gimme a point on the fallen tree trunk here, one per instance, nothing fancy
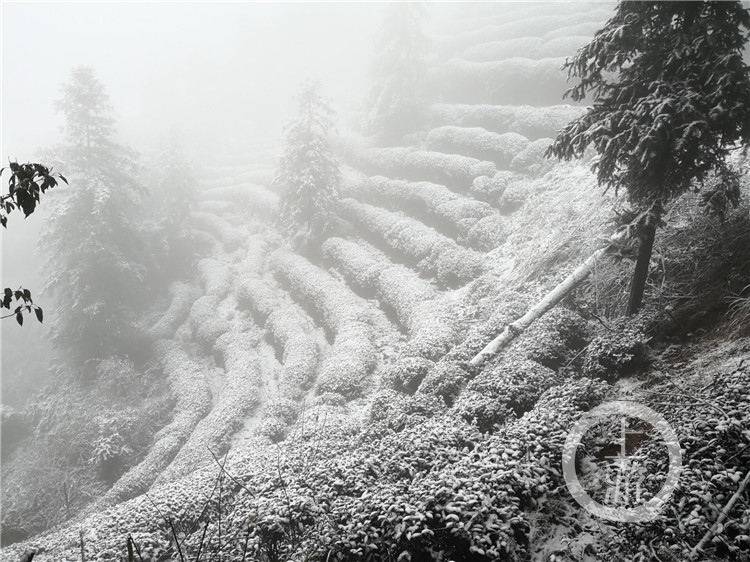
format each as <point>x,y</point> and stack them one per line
<point>551,299</point>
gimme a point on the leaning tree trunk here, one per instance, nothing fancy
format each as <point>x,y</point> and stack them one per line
<point>512,331</point>
<point>640,274</point>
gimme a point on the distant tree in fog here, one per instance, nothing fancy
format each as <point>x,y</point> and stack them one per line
<point>308,173</point>
<point>174,193</point>
<point>97,261</point>
<point>671,98</point>
<point>396,97</point>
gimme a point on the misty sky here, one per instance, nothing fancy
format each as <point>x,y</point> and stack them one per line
<point>217,73</point>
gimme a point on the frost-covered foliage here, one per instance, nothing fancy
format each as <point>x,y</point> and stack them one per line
<point>182,298</point>
<point>503,390</point>
<point>531,122</point>
<point>451,214</point>
<point>215,276</point>
<point>452,170</point>
<point>520,25</point>
<point>207,321</point>
<point>216,207</point>
<point>346,316</point>
<point>396,410</point>
<point>238,395</point>
<point>510,81</point>
<point>220,229</point>
<point>406,374</point>
<point>413,302</point>
<point>308,173</point>
<point>290,331</point>
<point>98,259</point>
<point>492,189</point>
<point>617,353</point>
<point>396,97</point>
<point>531,160</point>
<point>500,148</point>
<point>253,199</point>
<point>189,387</point>
<point>417,244</point>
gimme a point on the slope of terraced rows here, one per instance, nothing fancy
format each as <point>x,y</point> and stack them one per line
<point>266,342</point>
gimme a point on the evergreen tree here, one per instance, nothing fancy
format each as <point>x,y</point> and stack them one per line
<point>671,98</point>
<point>97,259</point>
<point>396,98</point>
<point>308,173</point>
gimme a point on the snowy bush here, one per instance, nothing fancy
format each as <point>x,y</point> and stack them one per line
<point>514,197</point>
<point>508,387</point>
<point>406,374</point>
<point>207,321</point>
<point>219,229</point>
<point>397,410</point>
<point>616,353</point>
<point>452,170</point>
<point>351,358</point>
<point>189,387</point>
<point>446,379</point>
<point>238,395</point>
<point>216,277</point>
<point>512,81</point>
<point>531,122</point>
<point>491,189</point>
<point>478,143</point>
<point>359,266</point>
<point>531,160</point>
<point>349,362</point>
<point>421,245</point>
<point>183,296</point>
<point>216,207</point>
<point>255,294</point>
<point>488,233</point>
<point>300,356</point>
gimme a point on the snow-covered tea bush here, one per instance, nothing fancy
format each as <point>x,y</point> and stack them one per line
<point>478,143</point>
<point>207,321</point>
<point>215,276</point>
<point>219,229</point>
<point>182,298</point>
<point>615,353</point>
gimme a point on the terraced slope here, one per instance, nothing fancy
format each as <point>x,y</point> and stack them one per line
<point>338,385</point>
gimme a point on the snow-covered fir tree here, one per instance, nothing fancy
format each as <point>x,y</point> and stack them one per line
<point>308,173</point>
<point>97,261</point>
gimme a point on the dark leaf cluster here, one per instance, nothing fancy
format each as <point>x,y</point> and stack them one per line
<point>26,184</point>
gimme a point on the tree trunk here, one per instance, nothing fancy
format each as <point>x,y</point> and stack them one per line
<point>640,274</point>
<point>512,331</point>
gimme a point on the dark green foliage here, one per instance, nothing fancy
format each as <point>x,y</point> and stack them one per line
<point>308,174</point>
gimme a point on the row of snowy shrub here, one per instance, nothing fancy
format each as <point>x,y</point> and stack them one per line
<point>188,384</point>
<point>420,246</point>
<point>238,395</point>
<point>531,122</point>
<point>533,25</point>
<point>470,222</point>
<point>290,332</point>
<point>219,228</point>
<point>182,298</point>
<point>351,358</point>
<point>207,321</point>
<point>215,277</point>
<point>413,301</point>
<point>511,81</point>
<point>452,170</point>
<point>477,142</point>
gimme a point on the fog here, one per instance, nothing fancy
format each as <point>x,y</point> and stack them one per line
<point>216,73</point>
